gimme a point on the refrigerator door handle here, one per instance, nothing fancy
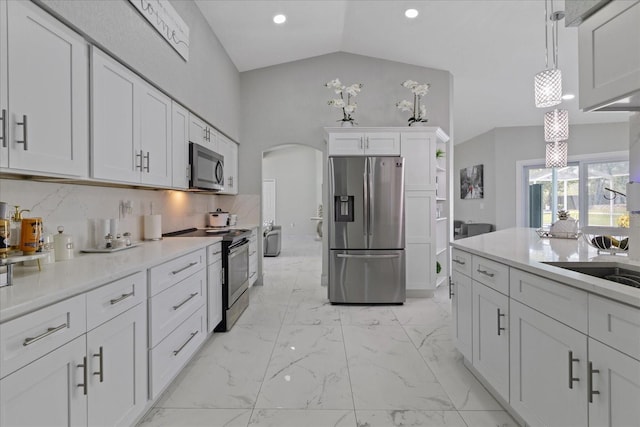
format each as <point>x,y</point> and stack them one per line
<point>370,198</point>
<point>365,201</point>
<point>388,256</point>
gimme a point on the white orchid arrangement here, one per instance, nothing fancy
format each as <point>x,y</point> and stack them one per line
<point>419,111</point>
<point>348,107</point>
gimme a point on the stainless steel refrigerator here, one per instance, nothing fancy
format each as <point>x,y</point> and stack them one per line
<point>366,230</point>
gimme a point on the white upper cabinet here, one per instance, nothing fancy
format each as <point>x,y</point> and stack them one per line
<point>115,121</point>
<point>229,150</point>
<point>419,152</point>
<point>609,57</point>
<point>202,133</point>
<point>131,140</point>
<point>43,71</point>
<point>155,136</point>
<point>344,143</point>
<point>180,146</point>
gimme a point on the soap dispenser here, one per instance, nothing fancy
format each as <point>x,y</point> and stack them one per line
<point>16,226</point>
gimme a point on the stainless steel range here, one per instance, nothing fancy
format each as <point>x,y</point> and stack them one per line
<point>235,265</point>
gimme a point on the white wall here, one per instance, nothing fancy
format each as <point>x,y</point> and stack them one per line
<point>512,144</point>
<point>294,169</point>
<point>287,103</point>
<point>479,151</point>
<point>208,84</point>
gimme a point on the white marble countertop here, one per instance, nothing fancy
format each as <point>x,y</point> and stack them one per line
<point>522,248</point>
<point>33,289</point>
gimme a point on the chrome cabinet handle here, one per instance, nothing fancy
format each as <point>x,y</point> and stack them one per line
<point>367,146</point>
<point>148,158</point>
<point>590,389</point>
<point>485,272</point>
<point>3,117</point>
<point>500,328</point>
<point>139,156</point>
<point>457,261</point>
<point>451,294</point>
<point>120,298</point>
<point>25,139</point>
<point>100,372</point>
<point>52,330</point>
<point>193,334</point>
<point>571,361</point>
<point>184,268</point>
<point>83,365</point>
<point>191,296</point>
<point>253,274</point>
<point>362,142</point>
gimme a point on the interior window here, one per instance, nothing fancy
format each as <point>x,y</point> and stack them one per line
<point>604,207</point>
<point>549,190</point>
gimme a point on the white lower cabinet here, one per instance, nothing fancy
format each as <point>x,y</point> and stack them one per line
<point>214,286</point>
<point>117,369</point>
<point>177,316</point>
<point>64,379</point>
<point>613,387</point>
<point>47,392</point>
<point>461,310</point>
<point>491,336</point>
<point>253,257</point>
<point>548,370</point>
<point>167,358</point>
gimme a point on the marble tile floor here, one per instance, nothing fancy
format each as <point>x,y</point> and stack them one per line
<point>295,360</point>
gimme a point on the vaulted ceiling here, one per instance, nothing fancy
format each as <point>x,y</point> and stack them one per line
<point>493,48</point>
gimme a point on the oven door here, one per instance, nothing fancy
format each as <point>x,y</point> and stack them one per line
<point>237,271</point>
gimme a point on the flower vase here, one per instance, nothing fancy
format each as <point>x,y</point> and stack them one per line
<point>417,124</point>
<point>346,123</point>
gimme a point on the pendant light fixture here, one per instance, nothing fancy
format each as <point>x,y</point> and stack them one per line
<point>556,125</point>
<point>556,154</point>
<point>548,83</point>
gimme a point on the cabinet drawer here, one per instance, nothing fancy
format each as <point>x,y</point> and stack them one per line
<point>168,357</point>
<point>33,335</point>
<point>214,253</point>
<point>171,307</point>
<point>561,302</point>
<point>117,297</point>
<point>461,261</point>
<point>165,275</point>
<point>615,324</point>
<point>491,273</point>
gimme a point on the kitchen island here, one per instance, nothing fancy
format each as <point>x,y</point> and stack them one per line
<point>554,346</point>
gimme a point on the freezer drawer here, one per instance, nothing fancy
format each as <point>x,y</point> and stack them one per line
<point>361,276</point>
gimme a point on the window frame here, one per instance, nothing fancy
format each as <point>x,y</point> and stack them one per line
<point>522,184</point>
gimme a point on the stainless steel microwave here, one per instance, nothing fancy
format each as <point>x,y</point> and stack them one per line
<point>207,168</point>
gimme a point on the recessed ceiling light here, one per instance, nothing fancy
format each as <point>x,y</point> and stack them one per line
<point>568,96</point>
<point>411,13</point>
<point>279,19</point>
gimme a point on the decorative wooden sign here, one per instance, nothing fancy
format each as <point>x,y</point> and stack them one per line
<point>164,18</point>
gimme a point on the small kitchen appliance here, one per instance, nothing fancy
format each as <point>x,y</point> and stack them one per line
<point>207,168</point>
<point>217,218</point>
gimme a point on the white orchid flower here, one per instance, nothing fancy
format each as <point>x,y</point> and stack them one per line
<point>338,89</point>
<point>335,83</point>
<point>338,103</point>
<point>350,108</point>
<point>354,89</point>
<point>409,84</point>
<point>405,105</point>
<point>421,90</point>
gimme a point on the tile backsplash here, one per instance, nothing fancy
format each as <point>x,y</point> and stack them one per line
<point>79,207</point>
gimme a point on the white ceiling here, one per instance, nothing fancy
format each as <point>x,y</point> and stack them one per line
<point>493,48</point>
